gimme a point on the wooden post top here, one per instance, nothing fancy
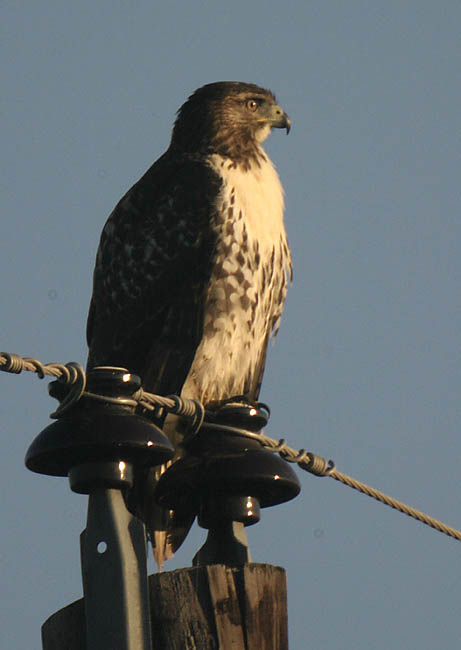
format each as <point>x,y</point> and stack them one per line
<point>208,607</point>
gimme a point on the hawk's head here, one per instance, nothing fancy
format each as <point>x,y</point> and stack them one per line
<point>230,118</point>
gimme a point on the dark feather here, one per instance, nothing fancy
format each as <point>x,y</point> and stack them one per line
<point>154,261</point>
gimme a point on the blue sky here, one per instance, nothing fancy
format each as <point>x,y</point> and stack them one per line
<point>366,367</point>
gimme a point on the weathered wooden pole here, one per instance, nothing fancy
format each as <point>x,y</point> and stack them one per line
<point>207,608</point>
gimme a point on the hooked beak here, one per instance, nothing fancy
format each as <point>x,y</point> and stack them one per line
<point>280,119</point>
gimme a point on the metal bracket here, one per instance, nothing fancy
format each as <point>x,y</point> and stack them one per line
<point>114,570</point>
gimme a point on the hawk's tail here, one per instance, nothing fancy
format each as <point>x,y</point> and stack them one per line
<point>166,529</point>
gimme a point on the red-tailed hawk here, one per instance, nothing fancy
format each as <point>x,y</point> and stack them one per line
<point>193,263</point>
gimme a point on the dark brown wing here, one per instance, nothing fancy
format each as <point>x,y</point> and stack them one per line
<point>152,269</point>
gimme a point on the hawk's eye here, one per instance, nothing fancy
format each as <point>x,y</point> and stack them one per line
<point>252,105</point>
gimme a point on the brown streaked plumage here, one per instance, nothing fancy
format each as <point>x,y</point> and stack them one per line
<point>193,263</point>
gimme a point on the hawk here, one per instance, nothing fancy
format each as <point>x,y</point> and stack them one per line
<point>193,263</point>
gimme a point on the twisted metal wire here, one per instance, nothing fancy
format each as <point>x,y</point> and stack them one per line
<point>74,375</point>
<point>320,467</point>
